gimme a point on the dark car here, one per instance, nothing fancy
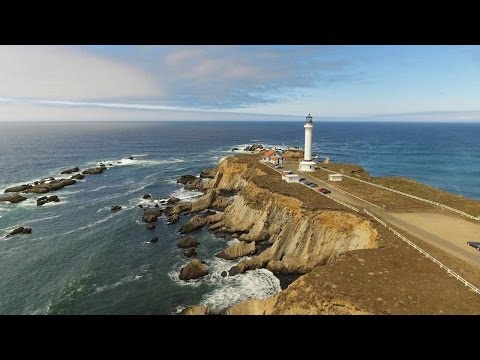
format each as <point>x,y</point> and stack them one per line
<point>313,185</point>
<point>324,191</point>
<point>302,179</point>
<point>475,245</point>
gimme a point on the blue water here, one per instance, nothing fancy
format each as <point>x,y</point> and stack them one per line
<point>83,259</point>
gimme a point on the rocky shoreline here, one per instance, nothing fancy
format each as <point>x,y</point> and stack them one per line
<point>301,236</point>
<point>19,193</point>
<point>273,230</point>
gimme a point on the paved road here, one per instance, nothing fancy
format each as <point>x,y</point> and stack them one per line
<point>425,232</point>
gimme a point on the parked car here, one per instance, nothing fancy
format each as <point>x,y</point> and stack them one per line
<point>287,172</point>
<point>302,179</point>
<point>475,245</point>
<point>313,185</point>
<point>324,191</point>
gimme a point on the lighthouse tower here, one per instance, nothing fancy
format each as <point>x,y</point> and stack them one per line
<point>307,164</point>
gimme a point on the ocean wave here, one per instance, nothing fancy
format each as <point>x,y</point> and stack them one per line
<point>186,195</point>
<point>105,187</point>
<point>139,155</point>
<point>101,221</point>
<point>143,272</point>
<point>45,218</point>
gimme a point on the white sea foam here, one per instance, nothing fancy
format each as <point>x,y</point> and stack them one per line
<point>143,272</point>
<point>187,195</point>
<point>254,284</point>
<point>139,155</point>
<point>45,218</point>
<point>92,223</point>
<point>233,242</point>
<point>105,187</point>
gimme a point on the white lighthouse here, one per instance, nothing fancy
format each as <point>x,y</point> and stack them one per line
<point>307,164</point>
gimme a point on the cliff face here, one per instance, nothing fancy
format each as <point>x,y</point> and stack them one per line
<point>300,239</point>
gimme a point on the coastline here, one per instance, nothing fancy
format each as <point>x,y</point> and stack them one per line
<point>277,208</point>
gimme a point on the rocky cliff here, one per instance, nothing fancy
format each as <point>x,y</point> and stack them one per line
<point>299,238</point>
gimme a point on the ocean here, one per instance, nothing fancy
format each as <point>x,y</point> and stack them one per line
<point>83,259</point>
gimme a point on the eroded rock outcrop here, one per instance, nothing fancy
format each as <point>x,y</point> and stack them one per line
<point>193,270</point>
<point>151,215</point>
<point>70,171</point>
<point>94,170</point>
<point>187,242</point>
<point>301,238</point>
<point>12,198</point>
<point>195,310</point>
<point>18,188</point>
<point>20,230</point>
<point>53,185</point>
<point>193,224</point>
<point>237,250</point>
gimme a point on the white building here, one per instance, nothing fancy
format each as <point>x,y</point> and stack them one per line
<point>291,178</point>
<point>272,156</point>
<point>335,177</point>
<point>307,165</point>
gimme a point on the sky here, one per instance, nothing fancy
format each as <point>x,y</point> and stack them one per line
<point>256,82</point>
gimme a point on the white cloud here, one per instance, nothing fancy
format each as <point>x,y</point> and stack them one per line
<point>73,73</point>
<point>61,111</point>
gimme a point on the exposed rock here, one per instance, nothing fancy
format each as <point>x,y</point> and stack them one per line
<point>147,196</point>
<point>20,230</point>
<point>173,219</point>
<point>12,198</point>
<point>93,171</point>
<point>293,154</point>
<point>43,200</point>
<point>130,158</point>
<point>196,184</point>
<point>154,239</point>
<point>116,208</point>
<point>53,185</point>
<point>185,179</point>
<point>157,206</point>
<point>254,147</point>
<point>140,206</point>
<point>178,209</point>
<point>18,188</point>
<point>207,173</point>
<point>35,183</point>
<point>53,198</point>
<point>187,242</point>
<point>78,177</point>
<point>224,274</point>
<point>190,252</point>
<point>237,250</point>
<point>103,165</point>
<point>193,270</point>
<point>195,223</point>
<point>173,200</point>
<point>150,226</point>
<point>214,218</point>
<point>69,171</point>
<point>151,215</point>
<point>234,270</point>
<point>195,310</point>
<point>205,201</point>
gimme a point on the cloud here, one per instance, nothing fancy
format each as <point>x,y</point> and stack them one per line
<point>222,77</point>
<point>61,111</point>
<point>70,73</point>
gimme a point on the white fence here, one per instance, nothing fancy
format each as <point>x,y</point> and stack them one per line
<point>423,252</point>
<point>476,218</point>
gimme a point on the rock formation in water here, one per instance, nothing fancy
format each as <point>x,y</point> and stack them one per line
<point>12,198</point>
<point>20,230</point>
<point>70,171</point>
<point>193,270</point>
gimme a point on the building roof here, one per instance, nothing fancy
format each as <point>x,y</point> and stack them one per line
<point>268,153</point>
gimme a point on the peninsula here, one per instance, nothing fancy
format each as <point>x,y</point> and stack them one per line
<point>347,261</point>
